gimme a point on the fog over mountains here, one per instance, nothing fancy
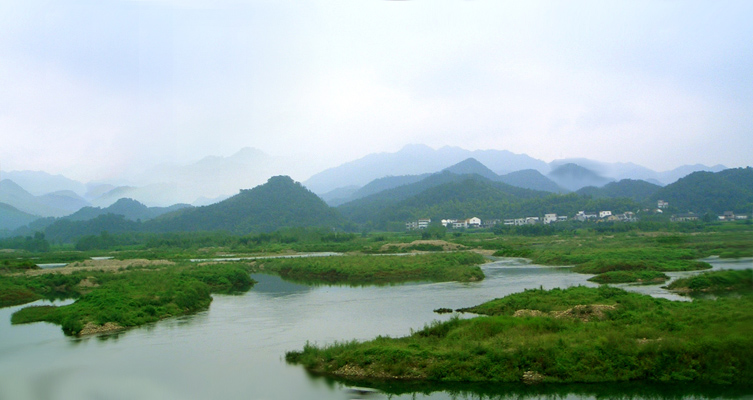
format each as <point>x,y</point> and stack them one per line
<point>211,179</point>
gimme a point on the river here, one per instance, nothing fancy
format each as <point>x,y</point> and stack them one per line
<point>235,350</point>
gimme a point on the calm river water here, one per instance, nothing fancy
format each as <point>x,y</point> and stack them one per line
<point>235,350</point>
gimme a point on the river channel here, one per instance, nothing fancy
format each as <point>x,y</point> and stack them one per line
<point>235,349</point>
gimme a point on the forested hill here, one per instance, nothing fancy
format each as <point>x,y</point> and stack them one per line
<point>12,218</point>
<point>636,190</point>
<point>531,179</point>
<point>701,192</point>
<point>450,196</point>
<point>280,202</point>
<point>369,208</point>
<point>441,195</point>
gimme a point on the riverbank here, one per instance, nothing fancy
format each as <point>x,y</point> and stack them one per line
<point>574,335</point>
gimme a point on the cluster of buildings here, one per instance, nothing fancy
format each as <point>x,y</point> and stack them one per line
<point>476,222</point>
<point>582,216</point>
<point>727,216</point>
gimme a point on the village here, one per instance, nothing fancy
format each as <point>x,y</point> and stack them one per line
<point>582,216</point>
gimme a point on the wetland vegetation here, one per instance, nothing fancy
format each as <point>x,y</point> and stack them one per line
<point>382,269</point>
<point>569,335</point>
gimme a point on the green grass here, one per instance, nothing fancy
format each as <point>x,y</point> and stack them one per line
<point>382,269</point>
<point>595,253</point>
<point>630,277</point>
<point>716,281</point>
<point>131,298</point>
<point>640,339</point>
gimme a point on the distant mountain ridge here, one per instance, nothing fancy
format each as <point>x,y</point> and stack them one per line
<point>415,160</point>
<point>573,177</point>
<point>420,159</point>
<point>12,218</point>
<point>129,208</point>
<point>528,179</point>
<point>55,204</point>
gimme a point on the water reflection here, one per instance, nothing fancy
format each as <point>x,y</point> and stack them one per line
<point>275,286</point>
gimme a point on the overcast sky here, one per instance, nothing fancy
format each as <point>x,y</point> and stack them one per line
<point>94,89</point>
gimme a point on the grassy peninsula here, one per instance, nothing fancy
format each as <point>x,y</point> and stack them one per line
<point>107,301</point>
<point>378,269</point>
<point>574,335</point>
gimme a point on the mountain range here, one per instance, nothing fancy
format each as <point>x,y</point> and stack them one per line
<point>282,202</point>
<point>397,177</point>
<point>419,160</point>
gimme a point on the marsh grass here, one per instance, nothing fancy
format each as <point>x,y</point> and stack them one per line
<point>640,339</point>
<point>716,281</point>
<point>382,269</point>
<point>130,298</point>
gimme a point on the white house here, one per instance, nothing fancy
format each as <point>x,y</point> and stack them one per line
<point>584,215</point>
<point>473,222</point>
<point>549,218</point>
<point>604,214</point>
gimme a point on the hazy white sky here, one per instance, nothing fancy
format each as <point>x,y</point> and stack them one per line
<point>94,89</point>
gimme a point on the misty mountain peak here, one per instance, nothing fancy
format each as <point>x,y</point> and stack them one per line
<point>471,166</point>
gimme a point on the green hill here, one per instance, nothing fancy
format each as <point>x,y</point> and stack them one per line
<point>701,192</point>
<point>636,190</point>
<point>441,195</point>
<point>531,179</point>
<point>12,218</point>
<point>280,202</point>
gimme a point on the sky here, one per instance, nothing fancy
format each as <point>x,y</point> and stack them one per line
<point>100,89</point>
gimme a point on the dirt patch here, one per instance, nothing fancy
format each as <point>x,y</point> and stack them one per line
<point>529,313</point>
<point>446,246</point>
<point>92,329</point>
<point>88,283</point>
<point>531,377</point>
<point>104,265</point>
<point>584,313</point>
<point>645,341</point>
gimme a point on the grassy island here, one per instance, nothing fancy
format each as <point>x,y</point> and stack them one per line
<point>574,335</point>
<point>378,269</point>
<point>645,277</point>
<point>107,301</point>
<point>716,281</point>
